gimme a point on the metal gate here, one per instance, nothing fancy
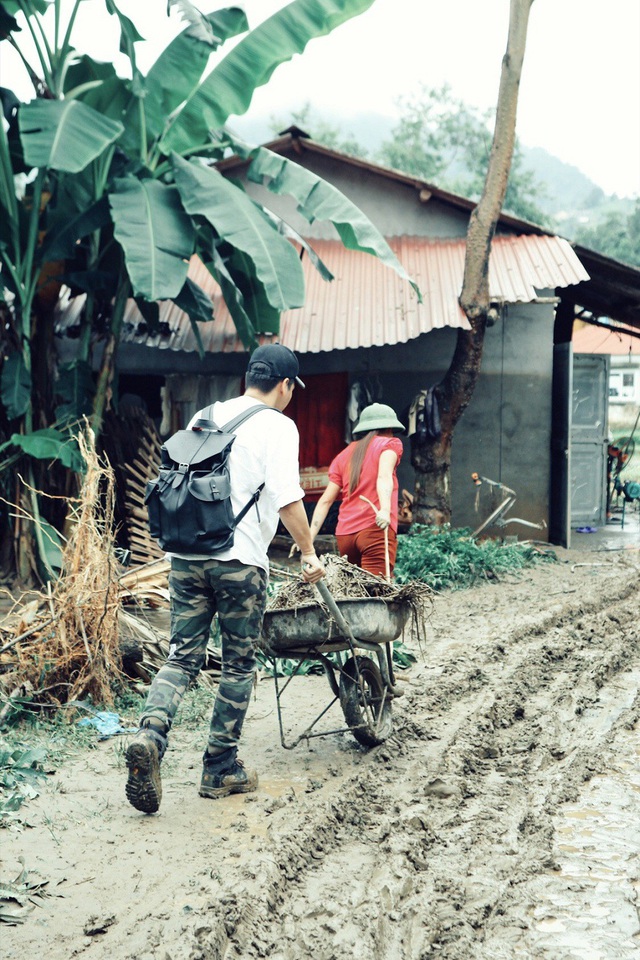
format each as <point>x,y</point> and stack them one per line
<point>589,430</point>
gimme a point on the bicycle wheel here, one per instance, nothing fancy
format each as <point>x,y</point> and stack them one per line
<point>366,708</point>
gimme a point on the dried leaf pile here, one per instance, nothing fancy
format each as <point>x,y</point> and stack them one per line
<point>348,582</point>
<point>70,647</point>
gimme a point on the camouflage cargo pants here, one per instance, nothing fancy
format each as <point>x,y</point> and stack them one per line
<point>199,589</point>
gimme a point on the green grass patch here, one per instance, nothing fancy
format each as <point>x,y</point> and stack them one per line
<point>447,558</point>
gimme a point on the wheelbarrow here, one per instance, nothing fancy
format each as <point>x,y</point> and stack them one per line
<point>364,685</point>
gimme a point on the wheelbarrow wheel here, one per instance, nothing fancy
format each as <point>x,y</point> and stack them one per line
<point>366,708</point>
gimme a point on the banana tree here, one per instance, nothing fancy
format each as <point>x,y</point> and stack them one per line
<point>125,189</point>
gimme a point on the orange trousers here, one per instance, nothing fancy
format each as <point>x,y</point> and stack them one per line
<point>366,549</point>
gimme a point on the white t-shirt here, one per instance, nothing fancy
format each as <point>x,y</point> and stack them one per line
<point>265,451</point>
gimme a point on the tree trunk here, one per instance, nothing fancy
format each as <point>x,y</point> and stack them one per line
<point>432,459</point>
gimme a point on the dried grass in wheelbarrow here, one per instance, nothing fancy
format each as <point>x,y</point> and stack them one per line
<point>349,582</point>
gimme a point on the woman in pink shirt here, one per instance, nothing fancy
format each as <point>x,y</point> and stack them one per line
<point>366,469</point>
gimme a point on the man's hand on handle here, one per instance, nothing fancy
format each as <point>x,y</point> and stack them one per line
<point>312,569</point>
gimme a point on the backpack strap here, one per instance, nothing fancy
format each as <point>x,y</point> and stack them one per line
<point>248,505</point>
<point>231,425</point>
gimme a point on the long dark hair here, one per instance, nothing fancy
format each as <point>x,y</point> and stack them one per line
<point>358,454</point>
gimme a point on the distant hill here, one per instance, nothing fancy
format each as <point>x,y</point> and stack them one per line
<point>568,188</point>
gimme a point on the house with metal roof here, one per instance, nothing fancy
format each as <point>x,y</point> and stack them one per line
<point>365,336</point>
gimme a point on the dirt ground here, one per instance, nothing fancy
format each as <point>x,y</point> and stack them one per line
<point>499,821</point>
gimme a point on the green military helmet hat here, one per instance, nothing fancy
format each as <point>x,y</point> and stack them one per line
<point>377,416</point>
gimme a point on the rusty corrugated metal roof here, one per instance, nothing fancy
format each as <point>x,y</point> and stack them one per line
<point>368,304</point>
<point>597,339</point>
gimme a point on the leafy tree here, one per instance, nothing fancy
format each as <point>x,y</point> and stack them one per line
<point>443,140</point>
<point>616,236</point>
<point>122,189</point>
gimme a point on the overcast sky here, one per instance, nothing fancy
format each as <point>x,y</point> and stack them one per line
<point>580,89</point>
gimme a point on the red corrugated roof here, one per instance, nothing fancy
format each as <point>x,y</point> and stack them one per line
<point>368,304</point>
<point>592,339</point>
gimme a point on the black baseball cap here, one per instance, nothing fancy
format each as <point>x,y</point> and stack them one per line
<point>275,361</point>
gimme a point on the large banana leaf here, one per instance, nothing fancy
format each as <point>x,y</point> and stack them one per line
<point>156,235</point>
<point>150,313</point>
<point>111,98</point>
<point>319,200</point>
<point>85,71</point>
<point>61,240</point>
<point>229,87</point>
<point>52,546</point>
<point>234,216</point>
<point>287,231</point>
<point>264,318</point>
<point>128,32</point>
<point>175,75</point>
<point>232,297</point>
<point>8,24</point>
<point>75,388</point>
<point>15,386</point>
<point>48,444</point>
<point>195,302</point>
<point>197,305</point>
<point>114,98</point>
<point>28,7</point>
<point>64,134</point>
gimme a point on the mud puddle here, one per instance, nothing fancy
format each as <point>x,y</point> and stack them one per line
<point>587,909</point>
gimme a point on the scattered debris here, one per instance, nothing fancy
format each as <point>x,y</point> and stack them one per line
<point>20,896</point>
<point>97,925</point>
<point>106,723</point>
<point>21,770</point>
<point>605,564</point>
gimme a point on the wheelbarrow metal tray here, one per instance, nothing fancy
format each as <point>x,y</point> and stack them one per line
<point>370,618</point>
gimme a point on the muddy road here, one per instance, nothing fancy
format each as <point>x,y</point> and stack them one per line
<point>499,821</point>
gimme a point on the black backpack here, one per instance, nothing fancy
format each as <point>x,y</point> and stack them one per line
<point>189,503</point>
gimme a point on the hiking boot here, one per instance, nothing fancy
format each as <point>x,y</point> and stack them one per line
<point>144,786</point>
<point>217,782</point>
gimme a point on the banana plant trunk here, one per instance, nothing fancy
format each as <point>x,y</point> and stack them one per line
<point>107,370</point>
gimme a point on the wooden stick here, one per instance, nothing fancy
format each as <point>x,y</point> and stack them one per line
<point>387,565</point>
<point>28,633</point>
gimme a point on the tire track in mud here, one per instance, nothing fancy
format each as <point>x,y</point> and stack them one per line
<point>423,852</point>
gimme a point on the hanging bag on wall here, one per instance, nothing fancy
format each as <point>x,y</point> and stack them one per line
<point>424,416</point>
<point>189,502</point>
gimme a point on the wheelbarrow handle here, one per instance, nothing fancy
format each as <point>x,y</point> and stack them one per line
<point>326,595</point>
